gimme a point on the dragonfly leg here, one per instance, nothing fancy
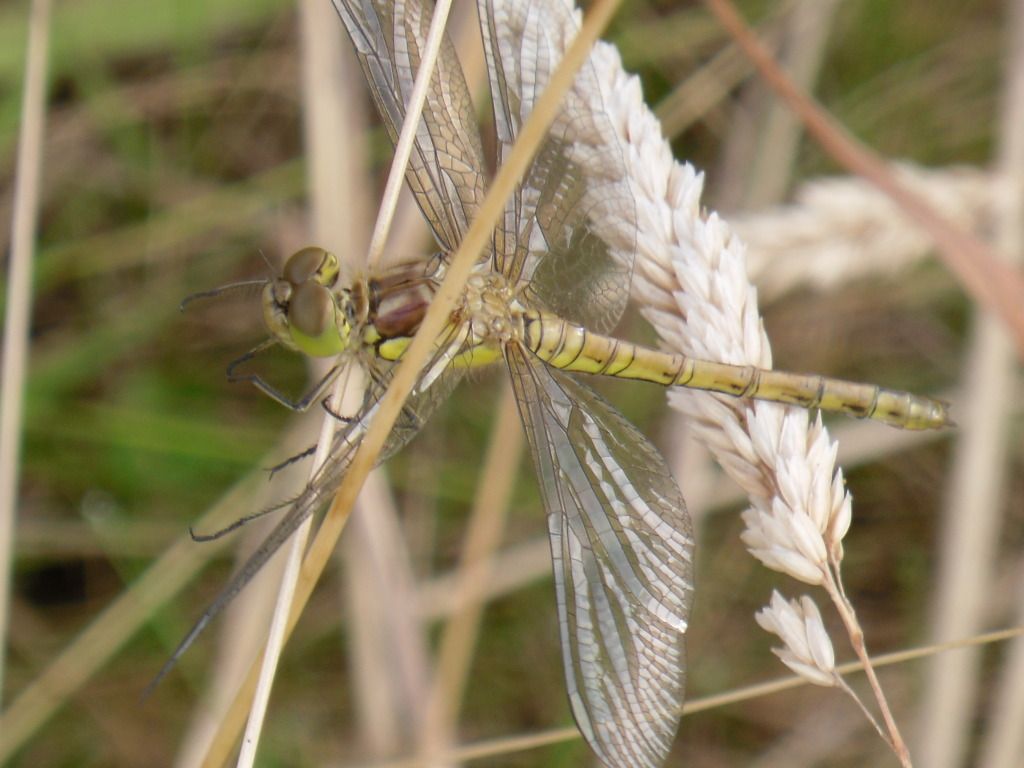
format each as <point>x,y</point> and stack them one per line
<point>291,460</point>
<point>328,405</point>
<point>234,526</point>
<point>302,404</point>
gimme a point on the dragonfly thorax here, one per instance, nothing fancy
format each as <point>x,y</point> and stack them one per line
<point>492,309</point>
<point>302,308</point>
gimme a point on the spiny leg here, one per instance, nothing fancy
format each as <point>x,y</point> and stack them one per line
<point>235,525</point>
<point>328,405</point>
<point>301,405</point>
<point>349,425</point>
<point>273,470</point>
<point>305,454</point>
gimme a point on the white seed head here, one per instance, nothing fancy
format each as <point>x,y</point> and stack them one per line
<point>807,647</point>
<point>691,278</point>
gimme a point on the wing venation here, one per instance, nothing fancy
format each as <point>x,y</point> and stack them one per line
<point>622,550</point>
<point>561,236</point>
<point>446,168</point>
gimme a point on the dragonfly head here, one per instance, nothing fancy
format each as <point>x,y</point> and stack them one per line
<point>301,309</point>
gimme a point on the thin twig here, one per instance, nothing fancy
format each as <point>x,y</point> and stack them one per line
<point>856,634</point>
<point>989,281</point>
<point>507,745</point>
<point>868,714</point>
<point>279,620</point>
<point>19,293</point>
<point>277,632</point>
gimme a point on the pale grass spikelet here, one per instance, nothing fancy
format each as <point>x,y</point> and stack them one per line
<point>785,542</point>
<point>808,648</point>
<point>691,280</point>
<point>839,229</point>
<point>810,514</point>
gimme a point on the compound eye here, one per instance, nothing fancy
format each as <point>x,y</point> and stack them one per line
<point>311,311</point>
<point>312,264</point>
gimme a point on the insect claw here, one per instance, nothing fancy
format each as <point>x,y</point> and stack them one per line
<point>328,406</point>
<point>201,537</point>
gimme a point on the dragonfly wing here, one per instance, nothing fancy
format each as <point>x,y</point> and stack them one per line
<point>445,170</point>
<point>623,556</point>
<point>558,235</point>
<point>297,510</point>
<point>418,408</point>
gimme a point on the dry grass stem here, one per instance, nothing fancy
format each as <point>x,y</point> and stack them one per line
<point>404,145</point>
<point>978,483</point>
<point>763,136</point>
<point>321,37</point>
<point>389,660</point>
<point>483,535</point>
<point>19,296</point>
<point>333,171</point>
<point>984,276</point>
<point>277,633</point>
<point>849,617</point>
<point>433,322</point>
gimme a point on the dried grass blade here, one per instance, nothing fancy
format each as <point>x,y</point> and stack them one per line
<point>19,293</point>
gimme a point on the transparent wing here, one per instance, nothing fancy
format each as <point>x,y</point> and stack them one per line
<point>559,234</point>
<point>417,409</point>
<point>446,167</point>
<point>623,558</point>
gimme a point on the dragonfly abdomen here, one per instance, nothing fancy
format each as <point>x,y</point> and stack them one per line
<point>571,347</point>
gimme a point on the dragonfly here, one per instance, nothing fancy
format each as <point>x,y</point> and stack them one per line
<point>543,300</point>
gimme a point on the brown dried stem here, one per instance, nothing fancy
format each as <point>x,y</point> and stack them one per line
<point>986,278</point>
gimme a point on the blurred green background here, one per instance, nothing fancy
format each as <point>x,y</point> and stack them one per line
<point>174,156</point>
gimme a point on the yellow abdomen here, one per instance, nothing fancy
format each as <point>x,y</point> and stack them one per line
<point>573,348</point>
